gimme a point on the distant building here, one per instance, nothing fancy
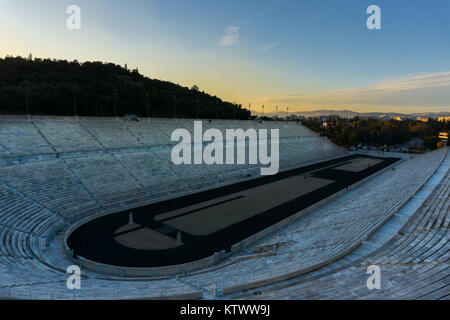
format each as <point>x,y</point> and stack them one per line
<point>443,136</point>
<point>422,119</point>
<point>414,143</point>
<point>130,117</point>
<point>334,117</point>
<point>442,119</point>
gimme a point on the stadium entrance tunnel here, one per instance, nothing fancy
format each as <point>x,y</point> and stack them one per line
<point>197,230</point>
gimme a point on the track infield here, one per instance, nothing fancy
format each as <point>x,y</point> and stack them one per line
<point>196,226</point>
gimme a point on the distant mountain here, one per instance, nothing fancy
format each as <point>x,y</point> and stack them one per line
<point>388,115</point>
<point>432,114</point>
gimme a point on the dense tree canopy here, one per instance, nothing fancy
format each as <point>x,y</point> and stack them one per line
<point>378,132</point>
<point>60,87</point>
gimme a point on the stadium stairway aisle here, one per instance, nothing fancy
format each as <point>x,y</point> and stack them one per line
<point>324,235</point>
<point>414,263</point>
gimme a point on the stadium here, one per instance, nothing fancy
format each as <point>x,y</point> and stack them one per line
<point>104,195</point>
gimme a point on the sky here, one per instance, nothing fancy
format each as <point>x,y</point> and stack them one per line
<point>305,54</point>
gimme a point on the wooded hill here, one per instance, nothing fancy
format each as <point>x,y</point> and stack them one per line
<point>60,87</point>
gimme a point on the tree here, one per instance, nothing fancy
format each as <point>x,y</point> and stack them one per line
<point>51,91</point>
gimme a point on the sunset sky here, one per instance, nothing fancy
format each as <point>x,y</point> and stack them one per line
<point>305,54</point>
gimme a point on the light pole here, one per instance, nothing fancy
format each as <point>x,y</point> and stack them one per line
<point>74,101</point>
<point>217,110</point>
<point>174,106</point>
<point>146,104</point>
<point>198,108</point>
<point>115,103</point>
<point>27,88</point>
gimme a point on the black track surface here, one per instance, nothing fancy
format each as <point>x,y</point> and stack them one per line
<point>95,240</point>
